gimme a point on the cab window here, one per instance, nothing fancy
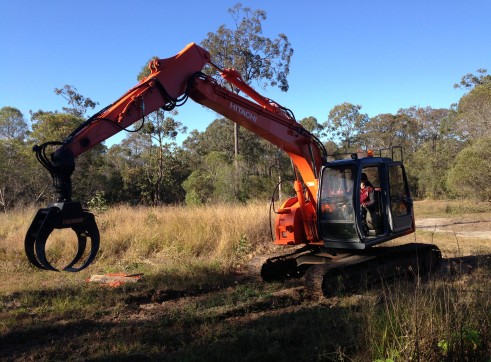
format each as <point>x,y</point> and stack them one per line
<point>398,191</point>
<point>336,204</point>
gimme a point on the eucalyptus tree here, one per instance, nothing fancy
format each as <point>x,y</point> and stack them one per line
<point>256,57</point>
<point>388,130</point>
<point>14,174</point>
<point>345,124</point>
<point>470,80</point>
<point>153,170</point>
<point>474,113</point>
<point>312,125</point>
<point>78,104</point>
<point>12,124</point>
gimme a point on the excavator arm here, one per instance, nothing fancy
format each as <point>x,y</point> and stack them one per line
<point>170,83</point>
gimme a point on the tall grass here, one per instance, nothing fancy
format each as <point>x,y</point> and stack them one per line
<point>445,318</point>
<point>219,233</point>
<point>449,208</point>
<point>151,239</point>
<point>440,320</point>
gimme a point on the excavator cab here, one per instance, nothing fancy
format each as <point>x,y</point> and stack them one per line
<point>344,223</point>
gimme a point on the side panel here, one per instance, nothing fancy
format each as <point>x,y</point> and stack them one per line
<point>288,225</point>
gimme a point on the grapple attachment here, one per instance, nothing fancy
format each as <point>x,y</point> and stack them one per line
<point>61,215</point>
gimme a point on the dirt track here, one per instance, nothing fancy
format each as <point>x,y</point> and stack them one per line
<point>460,227</point>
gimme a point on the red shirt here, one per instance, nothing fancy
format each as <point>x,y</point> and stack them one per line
<point>367,196</point>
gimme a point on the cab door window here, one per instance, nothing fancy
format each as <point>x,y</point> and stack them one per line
<point>337,213</point>
<point>400,201</point>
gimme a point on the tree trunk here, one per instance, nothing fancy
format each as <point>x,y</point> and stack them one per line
<point>236,159</point>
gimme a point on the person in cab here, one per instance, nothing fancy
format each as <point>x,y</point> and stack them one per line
<point>367,199</point>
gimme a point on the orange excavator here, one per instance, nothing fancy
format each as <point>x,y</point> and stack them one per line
<point>335,237</point>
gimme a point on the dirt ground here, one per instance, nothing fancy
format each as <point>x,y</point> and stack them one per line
<point>458,226</point>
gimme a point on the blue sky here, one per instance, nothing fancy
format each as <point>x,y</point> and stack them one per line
<point>382,55</point>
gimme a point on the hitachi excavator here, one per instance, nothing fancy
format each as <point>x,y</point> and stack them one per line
<point>332,237</point>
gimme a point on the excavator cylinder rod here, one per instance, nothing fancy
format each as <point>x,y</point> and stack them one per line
<point>62,215</point>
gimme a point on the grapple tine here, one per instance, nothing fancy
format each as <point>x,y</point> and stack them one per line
<point>82,244</point>
<point>89,230</point>
<point>33,234</point>
<point>40,243</point>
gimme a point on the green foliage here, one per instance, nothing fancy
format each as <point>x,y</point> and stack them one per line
<point>12,124</point>
<point>474,113</point>
<point>77,102</point>
<point>52,126</point>
<point>469,176</point>
<point>465,343</point>
<point>471,80</point>
<point>387,130</point>
<point>98,203</point>
<point>199,188</point>
<point>212,182</point>
<point>345,124</point>
<point>18,179</point>
<point>251,175</point>
<point>149,167</point>
<point>147,173</point>
<point>193,198</point>
<point>311,125</point>
<point>429,165</point>
<point>254,56</point>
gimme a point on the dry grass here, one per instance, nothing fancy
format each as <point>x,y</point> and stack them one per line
<point>447,208</point>
<point>181,240</point>
<point>222,234</point>
<point>190,305</point>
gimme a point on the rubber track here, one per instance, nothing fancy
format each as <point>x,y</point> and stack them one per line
<point>359,271</point>
<point>283,266</point>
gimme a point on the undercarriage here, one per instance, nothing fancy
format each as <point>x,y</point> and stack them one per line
<point>327,272</point>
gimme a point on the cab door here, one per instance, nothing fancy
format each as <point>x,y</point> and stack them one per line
<point>401,213</point>
<point>337,221</point>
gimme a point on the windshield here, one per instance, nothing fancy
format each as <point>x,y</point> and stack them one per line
<point>336,204</point>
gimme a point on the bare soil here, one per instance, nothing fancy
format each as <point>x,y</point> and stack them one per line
<point>471,227</point>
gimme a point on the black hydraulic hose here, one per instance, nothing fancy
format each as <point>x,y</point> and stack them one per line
<point>168,106</point>
<point>96,116</point>
<point>43,158</point>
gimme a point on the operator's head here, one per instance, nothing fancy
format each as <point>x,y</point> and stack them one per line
<point>364,179</point>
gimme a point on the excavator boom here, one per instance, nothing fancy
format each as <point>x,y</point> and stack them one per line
<point>170,82</point>
<point>165,87</point>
